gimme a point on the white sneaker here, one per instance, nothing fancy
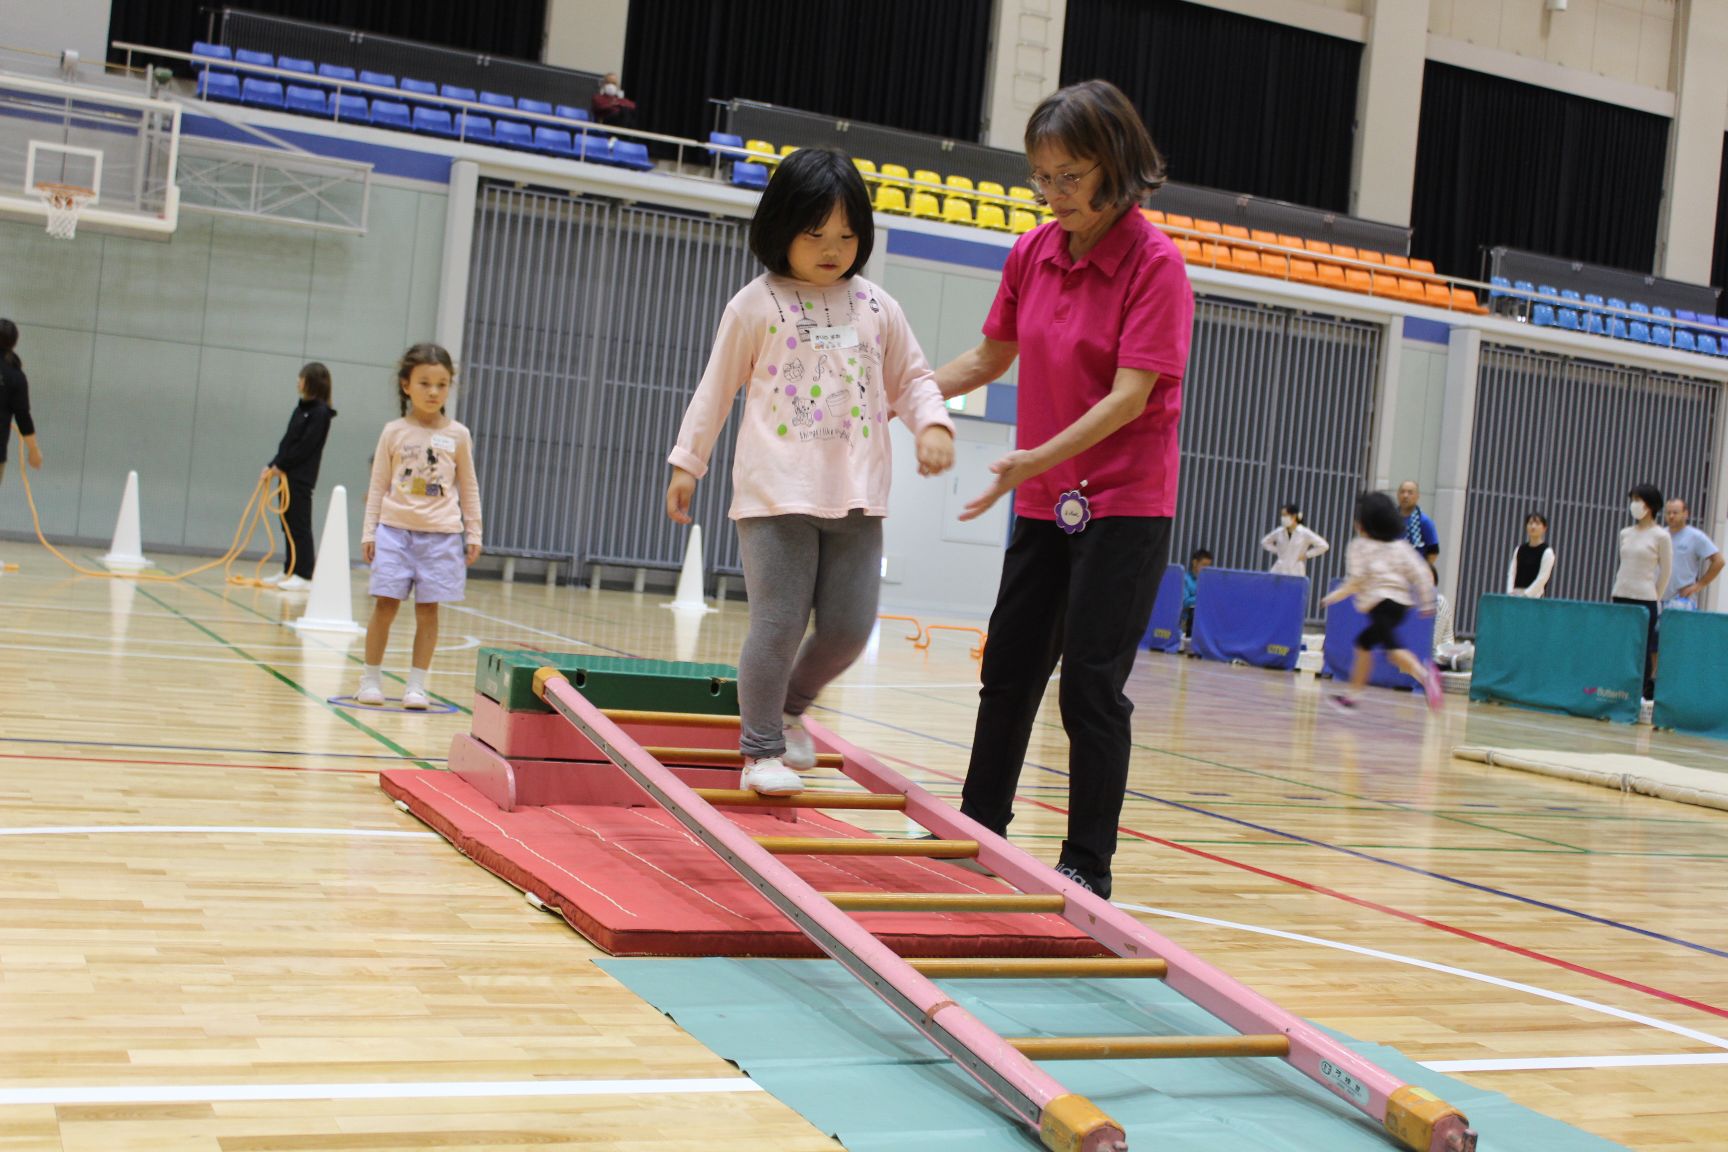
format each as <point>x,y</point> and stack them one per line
<point>370,694</point>
<point>770,777</point>
<point>800,748</point>
<point>414,700</point>
<point>278,578</point>
<point>293,584</point>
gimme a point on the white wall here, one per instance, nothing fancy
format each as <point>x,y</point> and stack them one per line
<point>55,25</point>
<point>1025,65</point>
<point>1626,40</point>
<point>587,35</point>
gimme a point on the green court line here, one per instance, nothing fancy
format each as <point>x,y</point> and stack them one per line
<point>1456,848</point>
<point>348,656</point>
<point>292,683</point>
<point>1309,785</point>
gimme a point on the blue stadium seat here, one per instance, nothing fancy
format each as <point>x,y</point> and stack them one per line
<point>1521,304</point>
<point>748,175</point>
<point>351,109</point>
<point>456,92</point>
<point>1547,290</point>
<point>1569,319</point>
<point>307,101</point>
<point>418,87</point>
<point>1542,315</point>
<point>336,73</point>
<point>214,85</point>
<point>1640,307</point>
<point>1616,302</point>
<point>434,122</point>
<point>378,79</point>
<point>1662,335</point>
<point>1593,324</point>
<point>246,56</point>
<point>533,107</point>
<point>1638,330</point>
<point>260,93</point>
<point>1617,328</point>
<point>295,64</point>
<point>1685,317</point>
<point>571,112</point>
<point>513,134</point>
<point>553,141</point>
<point>629,154</point>
<point>1524,286</point>
<point>1592,300</point>
<point>497,100</point>
<point>212,52</point>
<point>1707,344</point>
<point>1661,313</point>
<point>1497,283</point>
<point>476,129</point>
<point>594,148</point>
<point>1684,340</point>
<point>1571,296</point>
<point>391,114</point>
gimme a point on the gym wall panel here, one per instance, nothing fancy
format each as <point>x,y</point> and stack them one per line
<point>236,389</point>
<point>363,303</point>
<point>421,265</point>
<point>58,363</point>
<point>60,287</point>
<point>142,395</point>
<point>259,289</point>
<point>152,289</point>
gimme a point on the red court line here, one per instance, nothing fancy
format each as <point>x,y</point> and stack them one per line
<point>1465,933</point>
<point>189,764</point>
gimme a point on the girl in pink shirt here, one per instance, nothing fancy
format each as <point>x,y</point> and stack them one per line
<point>825,358</point>
<point>422,526</point>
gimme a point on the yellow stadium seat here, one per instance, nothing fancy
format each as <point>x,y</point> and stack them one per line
<point>891,200</point>
<point>1019,193</point>
<point>925,204</point>
<point>925,176</point>
<point>867,167</point>
<point>992,216</point>
<point>956,210</point>
<point>895,174</point>
<point>1022,221</point>
<point>959,183</point>
<point>761,148</point>
<point>990,188</point>
<point>788,149</point>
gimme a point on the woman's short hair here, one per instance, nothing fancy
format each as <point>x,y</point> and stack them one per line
<point>802,192</point>
<point>1093,120</point>
<point>1650,495</point>
<point>1377,513</point>
<point>1539,518</point>
<point>1290,509</point>
<point>317,378</point>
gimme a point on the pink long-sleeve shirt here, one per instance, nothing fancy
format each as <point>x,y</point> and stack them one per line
<point>825,369</point>
<point>423,481</point>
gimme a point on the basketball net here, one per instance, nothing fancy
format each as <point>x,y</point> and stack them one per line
<point>63,202</point>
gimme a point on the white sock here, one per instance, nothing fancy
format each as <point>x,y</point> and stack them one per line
<point>416,680</point>
<point>372,675</point>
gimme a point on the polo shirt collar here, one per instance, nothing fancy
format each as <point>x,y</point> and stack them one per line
<point>1109,252</point>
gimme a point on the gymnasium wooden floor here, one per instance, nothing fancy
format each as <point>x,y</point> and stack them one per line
<point>203,892</point>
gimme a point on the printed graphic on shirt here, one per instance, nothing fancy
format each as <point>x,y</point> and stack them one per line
<point>428,470</point>
<point>828,387</point>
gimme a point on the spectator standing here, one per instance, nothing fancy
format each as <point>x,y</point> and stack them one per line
<point>1646,566</point>
<point>1532,562</point>
<point>1697,560</point>
<point>1418,525</point>
<point>1293,543</point>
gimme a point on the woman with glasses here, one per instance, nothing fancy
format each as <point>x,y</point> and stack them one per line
<point>1096,305</point>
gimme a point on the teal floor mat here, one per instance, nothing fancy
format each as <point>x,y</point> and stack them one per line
<point>815,1038</point>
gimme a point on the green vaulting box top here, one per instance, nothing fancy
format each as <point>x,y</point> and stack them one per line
<point>507,676</point>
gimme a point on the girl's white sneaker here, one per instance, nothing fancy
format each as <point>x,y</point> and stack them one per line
<point>771,777</point>
<point>800,748</point>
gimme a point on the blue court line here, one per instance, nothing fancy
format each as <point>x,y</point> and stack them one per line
<point>1299,839</point>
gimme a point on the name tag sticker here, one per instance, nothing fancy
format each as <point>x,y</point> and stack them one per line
<point>834,339</point>
<point>447,443</point>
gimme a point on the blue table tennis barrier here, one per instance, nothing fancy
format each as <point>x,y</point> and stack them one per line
<point>1251,617</point>
<point>1415,634</point>
<point>1164,632</point>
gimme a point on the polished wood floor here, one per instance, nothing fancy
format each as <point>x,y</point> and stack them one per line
<point>203,891</point>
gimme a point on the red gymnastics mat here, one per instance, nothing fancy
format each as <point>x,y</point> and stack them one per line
<point>635,883</point>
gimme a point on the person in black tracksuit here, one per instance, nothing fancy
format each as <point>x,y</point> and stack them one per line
<point>15,399</point>
<point>297,459</point>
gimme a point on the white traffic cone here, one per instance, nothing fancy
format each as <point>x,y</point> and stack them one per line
<point>330,605</point>
<point>126,553</point>
<point>689,595</point>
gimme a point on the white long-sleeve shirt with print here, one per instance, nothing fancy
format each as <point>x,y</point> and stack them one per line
<point>1294,549</point>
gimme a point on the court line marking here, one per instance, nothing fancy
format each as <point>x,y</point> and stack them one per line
<point>120,744</point>
<point>479,615</point>
<point>214,830</point>
<point>43,756</point>
<point>465,1089</point>
<point>1556,1063</point>
<point>467,641</point>
<point>1445,969</point>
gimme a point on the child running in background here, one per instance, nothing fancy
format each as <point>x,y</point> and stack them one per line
<point>1386,576</point>
<point>422,518</point>
<point>296,461</point>
<point>826,358</point>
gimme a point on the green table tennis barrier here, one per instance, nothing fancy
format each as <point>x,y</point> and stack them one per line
<point>1692,676</point>
<point>1575,656</point>
<point>507,676</point>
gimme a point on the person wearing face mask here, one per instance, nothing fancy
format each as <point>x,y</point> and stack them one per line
<point>1532,562</point>
<point>1293,543</point>
<point>1646,562</point>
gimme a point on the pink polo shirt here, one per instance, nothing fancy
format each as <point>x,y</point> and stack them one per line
<point>1125,304</point>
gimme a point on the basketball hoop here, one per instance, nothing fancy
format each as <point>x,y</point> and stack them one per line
<point>63,202</point>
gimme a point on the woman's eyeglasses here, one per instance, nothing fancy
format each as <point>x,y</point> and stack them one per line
<point>1065,184</point>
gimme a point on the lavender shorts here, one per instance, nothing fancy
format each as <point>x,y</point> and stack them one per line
<point>433,564</point>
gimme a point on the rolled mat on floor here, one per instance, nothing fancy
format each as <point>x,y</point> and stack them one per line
<point>1641,774</point>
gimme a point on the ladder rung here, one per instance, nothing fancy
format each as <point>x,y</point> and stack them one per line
<point>730,757</point>
<point>868,801</point>
<point>669,719</point>
<point>835,846</point>
<point>1032,967</point>
<point>1148,1047</point>
<point>947,901</point>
